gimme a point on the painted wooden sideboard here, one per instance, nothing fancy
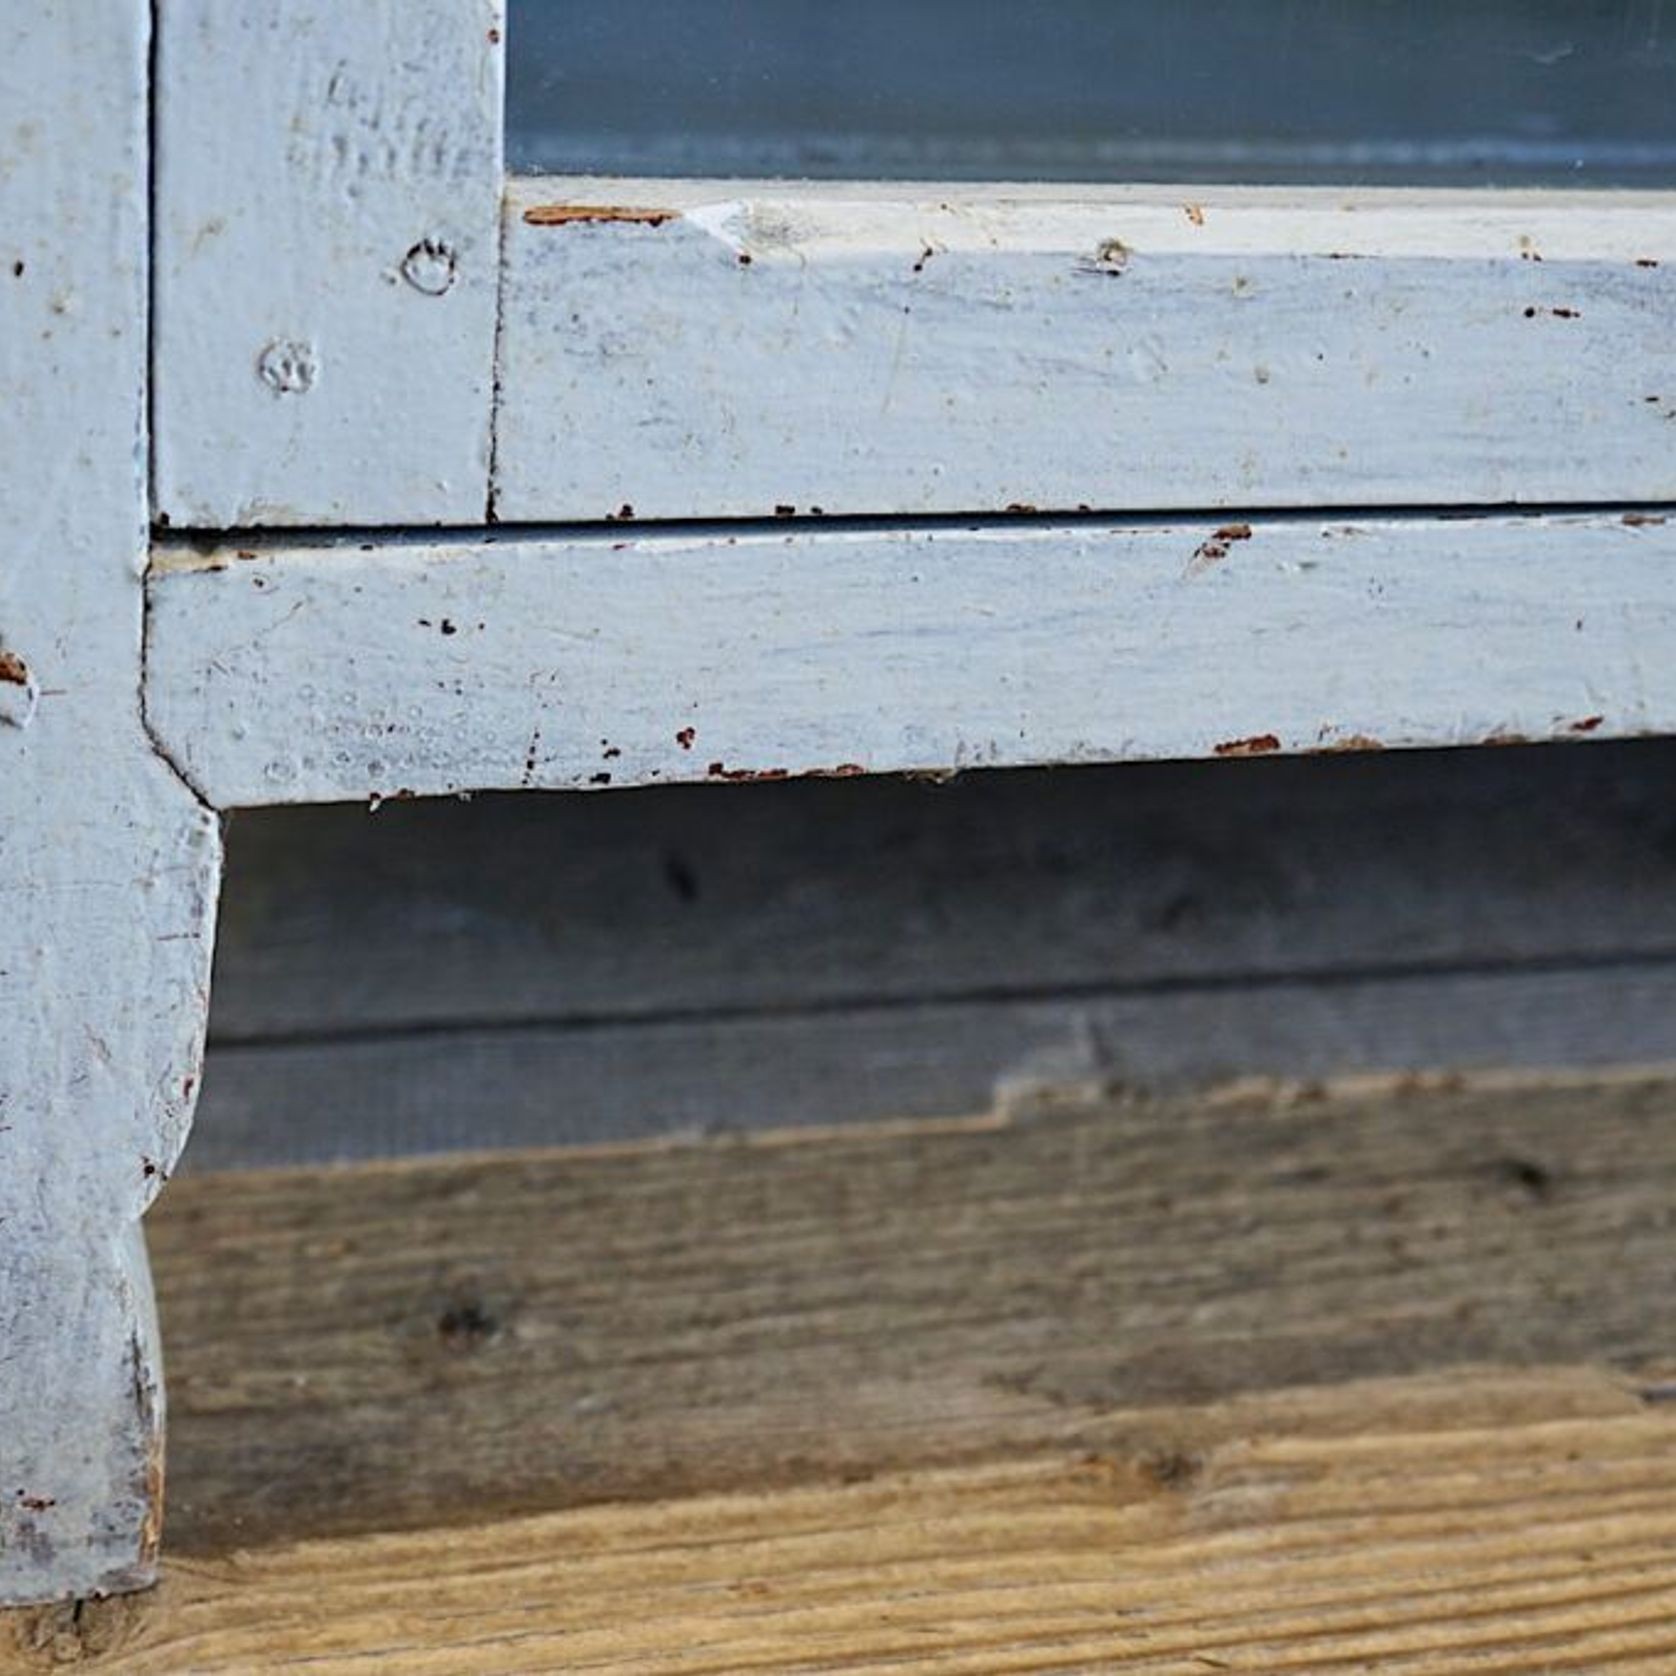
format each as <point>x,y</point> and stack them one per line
<point>339,466</point>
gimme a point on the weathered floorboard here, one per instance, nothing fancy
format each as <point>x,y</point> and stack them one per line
<point>1426,1527</point>
<point>1370,1379</point>
<point>410,1344</point>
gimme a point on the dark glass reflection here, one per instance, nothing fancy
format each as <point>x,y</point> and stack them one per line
<point>1508,92</point>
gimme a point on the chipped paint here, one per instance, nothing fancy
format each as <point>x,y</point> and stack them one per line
<point>1258,745</point>
<point>571,215</point>
<point>720,771</point>
<point>1216,548</point>
<point>1347,742</point>
<point>19,694</point>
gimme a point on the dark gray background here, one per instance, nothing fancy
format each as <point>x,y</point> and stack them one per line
<point>1469,91</point>
<point>525,970</point>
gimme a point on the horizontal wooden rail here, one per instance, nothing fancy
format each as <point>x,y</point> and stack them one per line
<point>314,670</point>
<point>696,349</point>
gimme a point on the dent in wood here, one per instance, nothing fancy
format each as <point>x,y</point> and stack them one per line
<point>328,192</point>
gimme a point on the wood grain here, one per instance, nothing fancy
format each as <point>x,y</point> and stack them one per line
<point>1279,1382</point>
<point>1517,1526</point>
<point>405,1345</point>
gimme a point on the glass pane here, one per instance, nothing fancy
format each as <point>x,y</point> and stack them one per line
<point>1435,92</point>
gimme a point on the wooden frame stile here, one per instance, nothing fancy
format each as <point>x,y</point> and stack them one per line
<point>108,861</point>
<point>1026,476</point>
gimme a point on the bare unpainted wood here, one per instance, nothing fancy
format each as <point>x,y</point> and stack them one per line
<point>327,252</point>
<point>108,864</point>
<point>382,1094</point>
<point>309,672</point>
<point>411,1345</point>
<point>1516,1526</point>
<point>1172,1388</point>
<point>676,349</point>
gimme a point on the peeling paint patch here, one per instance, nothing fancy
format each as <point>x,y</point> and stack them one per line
<point>1585,724</point>
<point>1642,520</point>
<point>1258,745</point>
<point>720,771</point>
<point>567,215</point>
<point>18,692</point>
<point>1351,742</point>
<point>1217,547</point>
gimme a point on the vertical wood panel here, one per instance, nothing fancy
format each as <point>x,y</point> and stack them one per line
<point>328,178</point>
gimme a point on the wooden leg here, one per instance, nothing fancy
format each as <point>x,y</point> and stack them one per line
<point>109,862</point>
<point>104,990</point>
<point>104,957</point>
<point>81,1460</point>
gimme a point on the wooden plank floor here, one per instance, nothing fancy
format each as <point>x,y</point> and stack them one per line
<point>1376,1379</point>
